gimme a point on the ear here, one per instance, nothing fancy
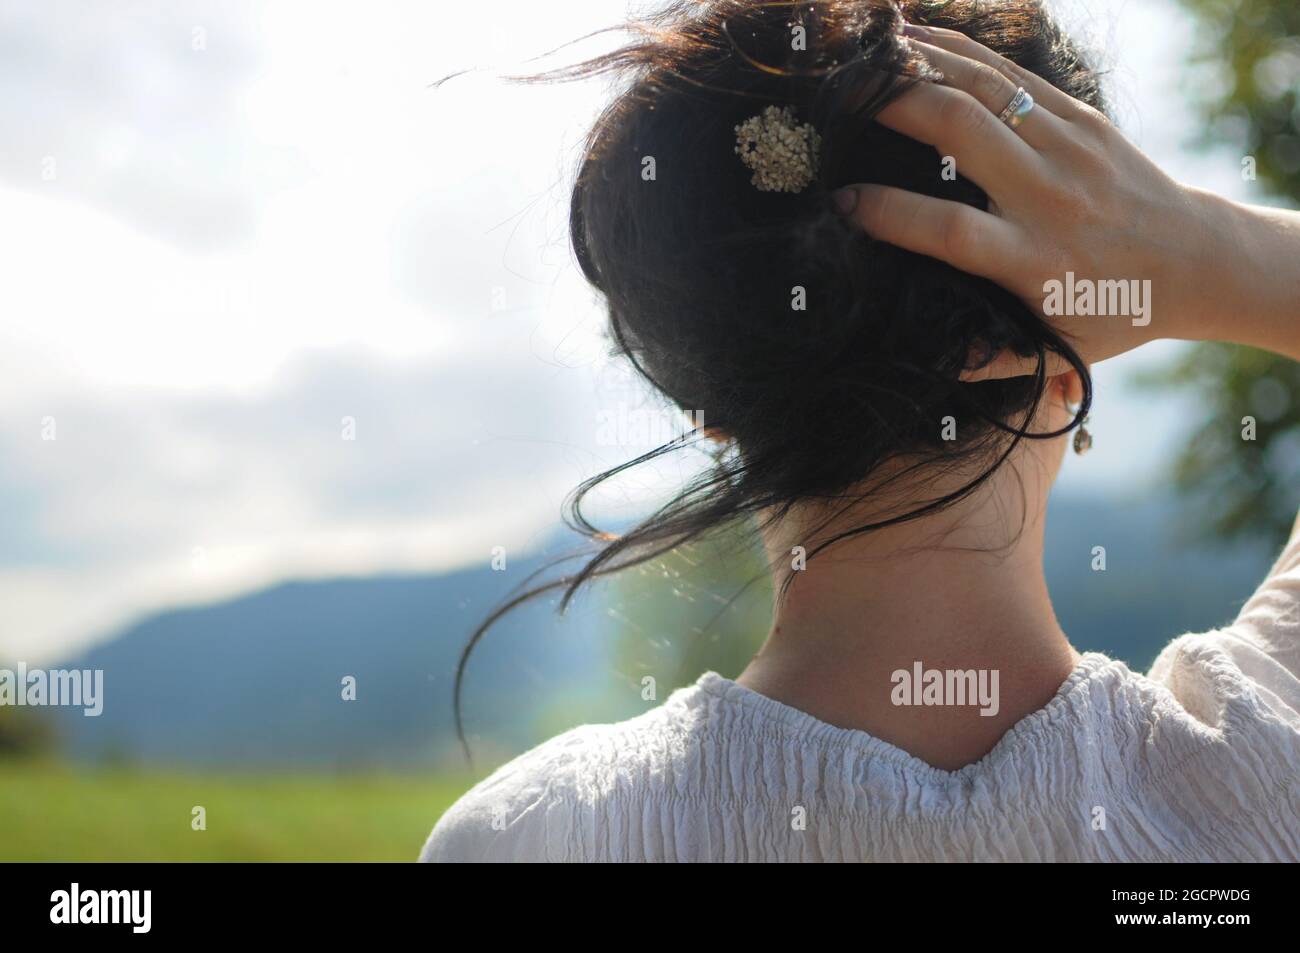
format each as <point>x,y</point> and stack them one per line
<point>1069,386</point>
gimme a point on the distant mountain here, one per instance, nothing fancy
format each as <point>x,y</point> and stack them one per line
<point>257,680</point>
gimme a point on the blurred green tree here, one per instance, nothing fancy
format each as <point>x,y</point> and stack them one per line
<point>703,607</point>
<point>1246,74</point>
<point>25,733</point>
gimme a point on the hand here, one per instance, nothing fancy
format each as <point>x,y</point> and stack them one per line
<point>1071,202</point>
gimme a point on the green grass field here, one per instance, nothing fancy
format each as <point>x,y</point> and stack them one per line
<point>56,812</point>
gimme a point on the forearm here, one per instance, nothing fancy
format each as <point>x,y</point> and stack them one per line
<point>1252,277</point>
<point>1262,252</point>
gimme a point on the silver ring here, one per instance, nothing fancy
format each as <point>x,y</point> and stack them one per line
<point>1021,105</point>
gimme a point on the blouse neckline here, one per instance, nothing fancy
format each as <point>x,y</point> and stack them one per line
<point>1031,731</point>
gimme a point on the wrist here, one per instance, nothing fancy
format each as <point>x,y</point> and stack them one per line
<point>1250,282</point>
<point>1215,275</point>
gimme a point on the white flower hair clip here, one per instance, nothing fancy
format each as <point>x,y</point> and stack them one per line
<point>782,153</point>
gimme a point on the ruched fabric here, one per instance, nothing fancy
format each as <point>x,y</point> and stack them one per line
<point>1197,761</point>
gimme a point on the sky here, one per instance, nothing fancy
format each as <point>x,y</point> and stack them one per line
<point>278,305</point>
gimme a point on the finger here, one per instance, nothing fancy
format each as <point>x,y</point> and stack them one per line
<point>1010,364</point>
<point>1045,94</point>
<point>958,125</point>
<point>994,90</point>
<point>963,236</point>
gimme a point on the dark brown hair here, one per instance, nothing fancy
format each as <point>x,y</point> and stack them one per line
<point>697,267</point>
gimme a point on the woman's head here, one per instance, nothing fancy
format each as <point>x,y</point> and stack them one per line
<point>829,361</point>
<point>823,355</point>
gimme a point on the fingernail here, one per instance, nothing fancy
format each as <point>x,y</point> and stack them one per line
<point>846,200</point>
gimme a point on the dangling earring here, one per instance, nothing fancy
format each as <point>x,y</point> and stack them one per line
<point>1082,438</point>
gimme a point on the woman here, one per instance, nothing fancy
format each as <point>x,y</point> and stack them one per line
<point>877,245</point>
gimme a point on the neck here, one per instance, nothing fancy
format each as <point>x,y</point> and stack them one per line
<point>945,592</point>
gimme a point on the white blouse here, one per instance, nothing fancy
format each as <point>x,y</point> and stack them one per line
<point>1197,761</point>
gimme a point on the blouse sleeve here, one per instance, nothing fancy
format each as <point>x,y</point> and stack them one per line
<point>1270,619</point>
<point>528,810</point>
<point>1246,675</point>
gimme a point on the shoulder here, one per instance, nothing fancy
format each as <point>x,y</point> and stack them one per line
<point>551,803</point>
<point>1246,674</point>
<point>525,810</point>
<point>1242,703</point>
<point>1227,681</point>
